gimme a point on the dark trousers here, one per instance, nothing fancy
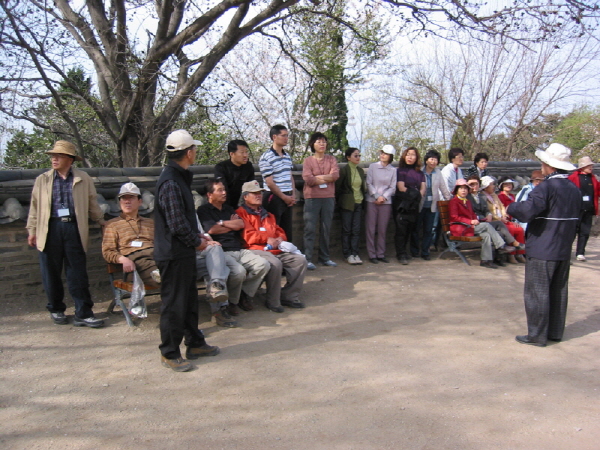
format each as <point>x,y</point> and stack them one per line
<point>546,297</point>
<point>584,226</point>
<point>318,211</point>
<point>351,221</point>
<point>281,211</point>
<point>426,223</point>
<point>63,247</point>
<point>179,308</point>
<point>405,231</point>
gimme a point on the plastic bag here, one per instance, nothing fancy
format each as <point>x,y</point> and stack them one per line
<point>137,304</point>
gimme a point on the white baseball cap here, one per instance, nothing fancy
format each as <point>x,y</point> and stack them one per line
<point>389,149</point>
<point>129,189</point>
<point>180,140</point>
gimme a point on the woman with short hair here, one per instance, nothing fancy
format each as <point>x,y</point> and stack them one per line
<point>351,189</point>
<point>479,167</point>
<point>381,185</point>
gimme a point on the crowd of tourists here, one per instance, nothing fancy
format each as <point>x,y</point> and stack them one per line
<point>242,235</point>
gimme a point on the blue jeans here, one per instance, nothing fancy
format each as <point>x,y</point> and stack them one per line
<point>351,230</point>
<point>317,210</point>
<point>63,247</point>
<point>427,222</point>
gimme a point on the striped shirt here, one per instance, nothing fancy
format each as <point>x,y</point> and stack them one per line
<point>279,167</point>
<point>119,234</point>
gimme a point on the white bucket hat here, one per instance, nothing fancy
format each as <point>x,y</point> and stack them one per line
<point>557,156</point>
<point>515,183</point>
<point>486,181</point>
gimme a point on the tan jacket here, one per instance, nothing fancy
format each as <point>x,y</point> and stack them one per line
<point>84,200</point>
<point>496,208</point>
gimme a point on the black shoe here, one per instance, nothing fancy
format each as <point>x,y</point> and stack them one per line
<point>403,261</point>
<point>223,319</point>
<point>488,264</point>
<point>384,260</point>
<point>527,340</point>
<point>59,318</point>
<point>205,350</point>
<point>426,257</point>
<point>374,260</point>
<point>233,309</point>
<point>245,302</point>
<point>499,262</point>
<point>91,322</point>
<point>277,309</point>
<point>297,304</point>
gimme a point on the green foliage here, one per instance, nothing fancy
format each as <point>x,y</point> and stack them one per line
<point>28,150</point>
<point>576,129</point>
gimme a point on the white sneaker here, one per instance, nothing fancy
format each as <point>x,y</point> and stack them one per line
<point>581,258</point>
<point>357,260</point>
<point>351,260</point>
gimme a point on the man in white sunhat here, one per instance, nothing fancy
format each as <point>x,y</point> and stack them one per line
<point>176,240</point>
<point>62,202</point>
<point>589,186</point>
<point>551,211</point>
<point>263,236</point>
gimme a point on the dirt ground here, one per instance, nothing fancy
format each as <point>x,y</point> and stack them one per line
<point>384,357</point>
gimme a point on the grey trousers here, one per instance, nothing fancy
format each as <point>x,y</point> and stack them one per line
<point>317,211</point>
<point>294,267</point>
<point>546,298</point>
<point>489,237</point>
<point>376,222</point>
<point>211,265</point>
<point>247,271</point>
<point>499,226</point>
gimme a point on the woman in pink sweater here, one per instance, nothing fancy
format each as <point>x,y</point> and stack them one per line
<point>319,173</point>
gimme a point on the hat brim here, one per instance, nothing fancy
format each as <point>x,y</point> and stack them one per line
<point>54,152</point>
<point>557,164</point>
<point>515,183</point>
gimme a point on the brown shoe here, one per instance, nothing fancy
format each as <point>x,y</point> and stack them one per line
<point>521,259</point>
<point>178,365</point>
<point>233,309</point>
<point>245,303</point>
<point>205,350</point>
<point>512,260</point>
<point>223,318</point>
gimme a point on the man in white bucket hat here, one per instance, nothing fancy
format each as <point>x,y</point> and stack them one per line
<point>552,211</point>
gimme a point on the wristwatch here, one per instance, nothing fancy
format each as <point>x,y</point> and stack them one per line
<point>220,222</point>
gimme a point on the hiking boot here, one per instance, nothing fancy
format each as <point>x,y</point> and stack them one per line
<point>155,274</point>
<point>277,309</point>
<point>178,364</point>
<point>91,322</point>
<point>245,302</point>
<point>223,318</point>
<point>59,318</point>
<point>216,292</point>
<point>204,350</point>
<point>233,309</point>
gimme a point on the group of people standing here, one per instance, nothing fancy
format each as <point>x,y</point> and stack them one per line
<point>244,232</point>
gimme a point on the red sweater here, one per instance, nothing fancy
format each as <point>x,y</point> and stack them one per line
<point>574,177</point>
<point>461,212</point>
<point>253,235</point>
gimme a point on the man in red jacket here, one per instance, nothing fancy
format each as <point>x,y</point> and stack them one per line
<point>263,236</point>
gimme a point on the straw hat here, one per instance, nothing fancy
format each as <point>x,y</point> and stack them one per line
<point>557,156</point>
<point>65,148</point>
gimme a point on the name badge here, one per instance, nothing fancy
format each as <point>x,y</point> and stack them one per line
<point>63,212</point>
<point>136,243</point>
<point>323,186</point>
<point>586,198</point>
<point>430,198</point>
<point>262,229</point>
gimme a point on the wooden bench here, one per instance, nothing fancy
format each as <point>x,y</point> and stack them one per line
<point>454,243</point>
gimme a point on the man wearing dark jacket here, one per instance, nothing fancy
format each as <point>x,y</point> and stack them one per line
<point>551,210</point>
<point>176,239</point>
<point>235,171</point>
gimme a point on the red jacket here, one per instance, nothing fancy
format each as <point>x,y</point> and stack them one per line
<point>252,235</point>
<point>461,212</point>
<point>574,177</point>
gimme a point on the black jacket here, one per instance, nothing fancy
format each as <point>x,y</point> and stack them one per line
<point>233,178</point>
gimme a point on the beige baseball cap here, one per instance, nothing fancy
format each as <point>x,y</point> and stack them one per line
<point>180,140</point>
<point>129,189</point>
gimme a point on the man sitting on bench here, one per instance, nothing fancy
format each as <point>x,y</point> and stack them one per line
<point>129,240</point>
